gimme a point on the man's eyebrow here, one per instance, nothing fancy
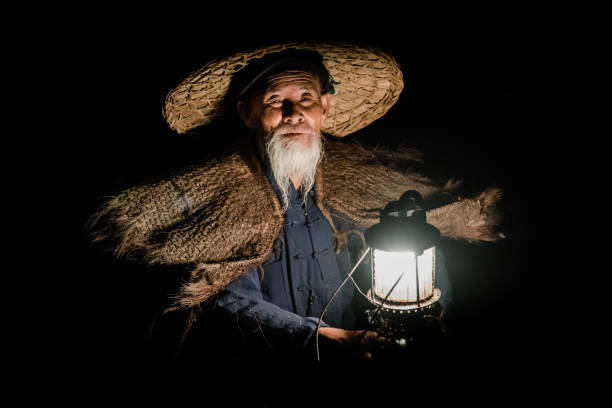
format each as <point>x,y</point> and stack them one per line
<point>272,89</point>
<point>271,94</point>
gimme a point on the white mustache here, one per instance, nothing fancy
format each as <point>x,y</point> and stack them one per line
<point>284,129</point>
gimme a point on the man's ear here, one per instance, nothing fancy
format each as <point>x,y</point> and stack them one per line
<point>325,103</point>
<point>244,109</point>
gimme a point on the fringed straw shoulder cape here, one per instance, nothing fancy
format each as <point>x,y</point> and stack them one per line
<point>222,217</point>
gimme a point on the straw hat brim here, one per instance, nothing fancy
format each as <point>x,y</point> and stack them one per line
<point>367,83</point>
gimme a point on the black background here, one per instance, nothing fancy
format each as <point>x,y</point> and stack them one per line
<point>478,104</point>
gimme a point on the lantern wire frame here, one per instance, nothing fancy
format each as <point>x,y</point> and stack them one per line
<point>350,276</point>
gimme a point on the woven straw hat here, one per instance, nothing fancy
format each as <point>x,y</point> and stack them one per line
<point>367,83</point>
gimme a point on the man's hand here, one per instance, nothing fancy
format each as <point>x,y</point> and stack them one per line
<point>362,342</point>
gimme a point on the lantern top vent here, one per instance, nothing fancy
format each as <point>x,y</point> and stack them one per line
<point>403,226</point>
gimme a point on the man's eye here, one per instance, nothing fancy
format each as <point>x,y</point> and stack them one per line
<point>306,98</point>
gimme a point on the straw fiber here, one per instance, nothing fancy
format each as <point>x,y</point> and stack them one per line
<point>369,82</point>
<point>222,217</point>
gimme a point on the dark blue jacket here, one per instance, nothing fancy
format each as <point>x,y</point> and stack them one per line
<point>282,306</point>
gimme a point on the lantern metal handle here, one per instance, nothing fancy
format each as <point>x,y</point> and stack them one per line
<point>349,276</point>
<point>365,252</point>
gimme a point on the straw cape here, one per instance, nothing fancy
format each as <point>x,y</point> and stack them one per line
<point>221,217</point>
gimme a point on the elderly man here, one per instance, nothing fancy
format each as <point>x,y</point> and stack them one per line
<point>267,228</point>
<point>286,108</point>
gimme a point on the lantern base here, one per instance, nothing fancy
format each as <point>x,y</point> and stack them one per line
<point>402,323</point>
<point>405,308</point>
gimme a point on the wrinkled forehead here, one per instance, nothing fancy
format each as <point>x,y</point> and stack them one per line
<point>279,69</point>
<point>292,78</point>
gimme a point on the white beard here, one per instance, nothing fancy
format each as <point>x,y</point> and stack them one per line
<point>287,159</point>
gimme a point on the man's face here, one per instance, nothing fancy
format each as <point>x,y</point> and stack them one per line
<point>287,117</point>
<point>291,104</point>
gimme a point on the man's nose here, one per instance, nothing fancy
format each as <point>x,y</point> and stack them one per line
<point>292,112</point>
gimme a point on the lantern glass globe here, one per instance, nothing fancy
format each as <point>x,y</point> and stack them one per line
<point>389,266</point>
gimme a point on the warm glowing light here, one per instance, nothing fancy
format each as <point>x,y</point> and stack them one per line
<point>388,267</point>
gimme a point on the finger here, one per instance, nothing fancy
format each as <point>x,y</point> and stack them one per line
<point>379,339</point>
<point>384,341</point>
<point>369,334</point>
<point>374,336</point>
<point>368,337</point>
<point>367,355</point>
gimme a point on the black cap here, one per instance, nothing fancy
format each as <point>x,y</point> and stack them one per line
<point>258,70</point>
